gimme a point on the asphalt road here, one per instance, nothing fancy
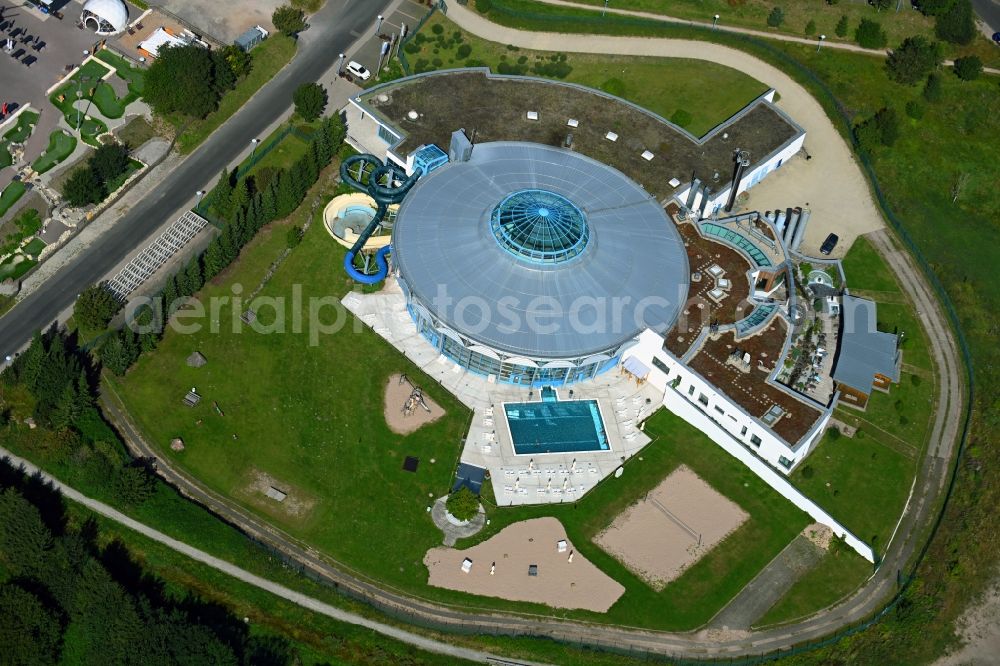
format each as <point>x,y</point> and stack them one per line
<point>329,34</point>
<point>989,11</point>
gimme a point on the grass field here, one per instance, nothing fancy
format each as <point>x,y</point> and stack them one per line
<point>87,79</point>
<point>268,58</point>
<point>90,129</point>
<point>10,195</point>
<point>22,130</point>
<point>5,157</point>
<point>136,132</point>
<point>662,85</point>
<point>840,572</point>
<point>61,146</point>
<point>34,247</point>
<point>15,266</point>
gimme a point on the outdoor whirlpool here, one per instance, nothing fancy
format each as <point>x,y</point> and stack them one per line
<point>346,216</point>
<point>555,426</point>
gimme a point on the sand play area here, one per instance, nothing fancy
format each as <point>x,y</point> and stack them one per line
<point>670,529</point>
<point>407,408</point>
<point>562,577</point>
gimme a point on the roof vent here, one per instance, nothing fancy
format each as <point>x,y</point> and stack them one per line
<point>646,155</point>
<point>412,115</point>
<point>611,136</point>
<point>532,115</point>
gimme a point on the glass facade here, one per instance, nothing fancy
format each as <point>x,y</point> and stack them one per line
<point>507,371</point>
<point>540,227</point>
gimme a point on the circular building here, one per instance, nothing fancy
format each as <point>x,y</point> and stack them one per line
<point>536,265</point>
<point>105,17</point>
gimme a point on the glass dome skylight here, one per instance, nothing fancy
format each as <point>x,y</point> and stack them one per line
<point>539,226</point>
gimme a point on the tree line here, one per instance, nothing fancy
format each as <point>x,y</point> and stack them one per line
<point>245,205</point>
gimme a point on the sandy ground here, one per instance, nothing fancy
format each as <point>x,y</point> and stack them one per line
<point>396,395</point>
<point>979,629</point>
<point>673,527</point>
<point>819,534</point>
<point>258,482</point>
<point>559,584</point>
<point>831,182</point>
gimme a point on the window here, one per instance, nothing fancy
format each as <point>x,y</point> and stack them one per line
<point>785,462</point>
<point>691,389</point>
<point>386,135</point>
<point>661,365</point>
<point>703,399</point>
<point>743,431</point>
<point>755,440</point>
<point>719,409</point>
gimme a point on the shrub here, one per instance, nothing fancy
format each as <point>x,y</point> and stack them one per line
<point>968,68</point>
<point>83,188</point>
<point>95,307</point>
<point>841,29</point>
<point>956,25</point>
<point>437,62</point>
<point>913,60</point>
<point>811,27</point>
<point>310,101</point>
<point>463,52</point>
<point>437,29</point>
<point>808,472</point>
<point>916,380</point>
<point>915,109</point>
<point>870,35</point>
<point>412,47</point>
<point>932,89</point>
<point>463,504</point>
<point>776,17</point>
<point>484,6</point>
<point>834,433</point>
<point>293,237</point>
<point>289,20</point>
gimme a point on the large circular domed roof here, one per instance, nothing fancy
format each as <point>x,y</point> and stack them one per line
<point>106,16</point>
<point>539,252</point>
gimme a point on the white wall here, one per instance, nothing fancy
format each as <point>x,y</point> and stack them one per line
<point>726,430</point>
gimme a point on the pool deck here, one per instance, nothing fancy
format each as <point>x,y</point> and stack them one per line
<point>541,479</point>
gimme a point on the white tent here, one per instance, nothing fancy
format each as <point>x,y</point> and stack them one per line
<point>105,17</point>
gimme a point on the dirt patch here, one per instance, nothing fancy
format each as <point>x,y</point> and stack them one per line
<point>559,583</point>
<point>819,534</point>
<point>406,408</point>
<point>979,630</point>
<point>257,484</point>
<point>670,529</point>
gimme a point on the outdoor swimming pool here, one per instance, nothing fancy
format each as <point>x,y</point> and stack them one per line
<point>552,426</point>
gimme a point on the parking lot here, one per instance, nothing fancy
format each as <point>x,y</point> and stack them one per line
<point>56,45</point>
<point>409,12</point>
<point>221,21</point>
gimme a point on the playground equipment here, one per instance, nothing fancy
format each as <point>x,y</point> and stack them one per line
<point>368,173</point>
<point>416,398</point>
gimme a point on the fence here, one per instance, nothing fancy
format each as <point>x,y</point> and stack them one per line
<point>401,52</point>
<point>614,24</point>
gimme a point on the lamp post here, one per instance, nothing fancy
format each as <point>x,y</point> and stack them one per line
<point>253,150</point>
<point>715,22</point>
<point>199,194</point>
<point>79,96</point>
<point>604,11</point>
<point>819,43</point>
<point>340,64</point>
<point>378,23</point>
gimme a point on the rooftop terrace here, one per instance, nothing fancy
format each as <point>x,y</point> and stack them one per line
<point>468,99</point>
<point>750,389</point>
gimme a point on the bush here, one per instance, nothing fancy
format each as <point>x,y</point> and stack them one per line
<point>289,20</point>
<point>808,472</point>
<point>82,188</point>
<point>932,89</point>
<point>437,29</point>
<point>915,109</point>
<point>484,6</point>
<point>811,27</point>
<point>463,51</point>
<point>834,433</point>
<point>968,68</point>
<point>412,47</point>
<point>463,504</point>
<point>293,237</point>
<point>182,80</point>
<point>841,29</point>
<point>913,60</point>
<point>776,17</point>
<point>310,101</point>
<point>956,25</point>
<point>614,87</point>
<point>870,35</point>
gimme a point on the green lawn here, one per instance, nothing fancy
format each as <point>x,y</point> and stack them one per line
<point>866,269</point>
<point>90,129</point>
<point>136,132</point>
<point>284,154</point>
<point>10,195</point>
<point>61,146</point>
<point>840,572</point>
<point>87,79</point>
<point>133,75</point>
<point>22,130</point>
<point>107,102</point>
<point>5,157</point>
<point>15,266</point>
<point>662,85</point>
<point>268,58</point>
<point>34,247</point>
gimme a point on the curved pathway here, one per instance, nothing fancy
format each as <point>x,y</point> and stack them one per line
<point>832,183</point>
<point>932,475</point>
<point>298,598</point>
<point>722,27</point>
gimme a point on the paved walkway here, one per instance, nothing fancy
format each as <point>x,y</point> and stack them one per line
<point>297,598</point>
<point>831,183</point>
<point>453,532</point>
<point>774,580</point>
<point>780,36</point>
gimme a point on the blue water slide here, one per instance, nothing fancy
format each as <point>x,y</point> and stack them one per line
<point>382,188</point>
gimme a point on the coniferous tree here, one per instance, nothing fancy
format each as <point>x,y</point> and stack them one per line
<point>222,198</point>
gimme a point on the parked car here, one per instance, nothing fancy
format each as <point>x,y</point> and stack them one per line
<point>996,37</point>
<point>358,71</point>
<point>829,244</point>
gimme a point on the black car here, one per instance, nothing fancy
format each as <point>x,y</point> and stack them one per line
<point>829,244</point>
<point>996,37</point>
